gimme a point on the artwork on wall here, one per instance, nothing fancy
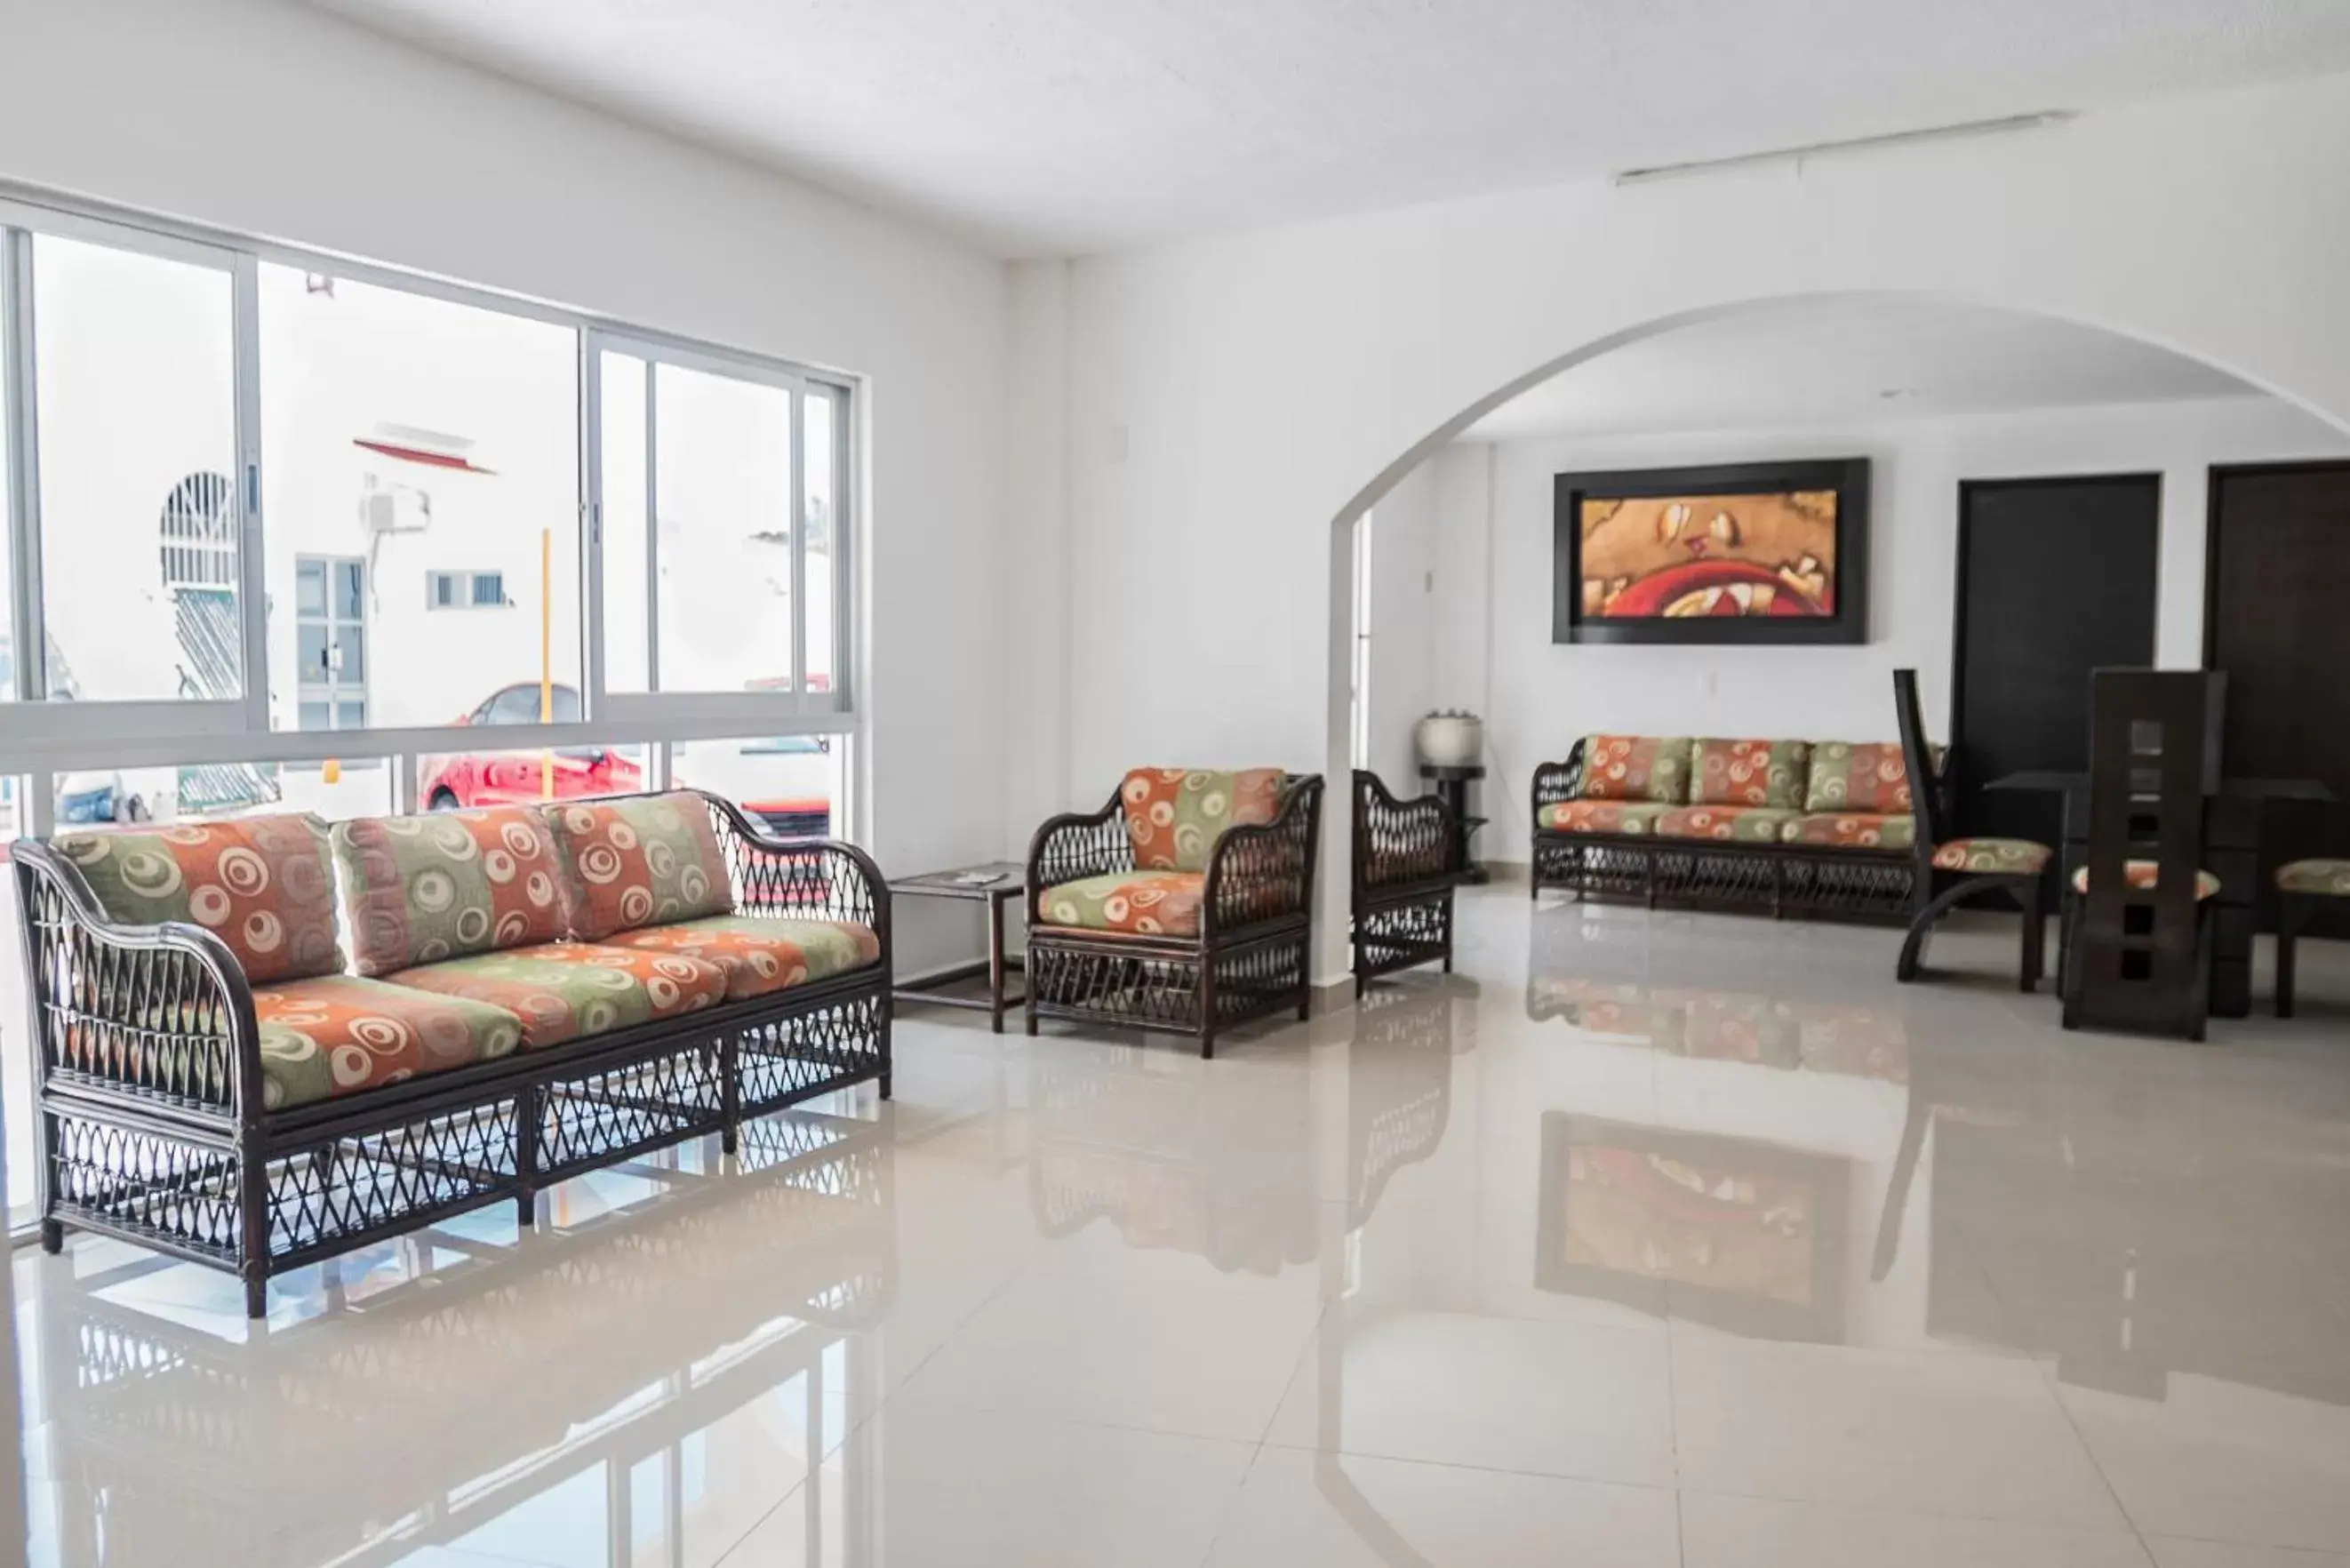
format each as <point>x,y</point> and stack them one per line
<point>1749,552</point>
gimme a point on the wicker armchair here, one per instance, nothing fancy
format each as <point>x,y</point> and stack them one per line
<point>1406,863</point>
<point>1139,940</point>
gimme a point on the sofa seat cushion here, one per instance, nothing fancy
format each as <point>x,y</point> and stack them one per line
<point>1750,772</point>
<point>2143,875</point>
<point>338,1035</point>
<point>1174,815</point>
<point>570,991</point>
<point>1138,903</point>
<point>1601,816</point>
<point>1637,767</point>
<point>418,889</point>
<point>264,885</point>
<point>640,860</point>
<point>1734,824</point>
<point>760,954</point>
<point>2327,877</point>
<point>1868,778</point>
<point>2020,856</point>
<point>1853,830</point>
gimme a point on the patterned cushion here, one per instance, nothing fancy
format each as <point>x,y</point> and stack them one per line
<point>762,955</point>
<point>337,1036</point>
<point>1176,815</point>
<point>2017,855</point>
<point>1749,772</point>
<point>1739,823</point>
<point>2142,876</point>
<point>1853,830</point>
<point>639,860</point>
<point>264,885</point>
<point>1635,767</point>
<point>1141,903</point>
<point>1848,777</point>
<point>1601,816</point>
<point>2328,876</point>
<point>418,890</point>
<point>568,990</point>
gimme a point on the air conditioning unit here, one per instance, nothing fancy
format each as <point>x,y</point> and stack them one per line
<point>398,510</point>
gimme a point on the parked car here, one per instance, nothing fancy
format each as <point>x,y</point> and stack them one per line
<point>784,783</point>
<point>109,795</point>
<point>502,778</point>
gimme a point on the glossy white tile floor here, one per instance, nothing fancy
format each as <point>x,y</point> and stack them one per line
<point>1649,1239</point>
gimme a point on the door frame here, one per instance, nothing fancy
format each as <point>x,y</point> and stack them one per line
<point>1967,489</point>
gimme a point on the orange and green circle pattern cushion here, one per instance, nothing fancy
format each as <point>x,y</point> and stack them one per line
<point>2143,875</point>
<point>423,889</point>
<point>1848,777</point>
<point>2328,877</point>
<point>1750,772</point>
<point>640,861</point>
<point>566,990</point>
<point>1139,903</point>
<point>264,885</point>
<point>1635,767</point>
<point>338,1034</point>
<point>760,953</point>
<point>1174,815</point>
<point>2018,856</point>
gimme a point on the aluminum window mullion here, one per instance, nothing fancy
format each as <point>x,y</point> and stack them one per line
<point>24,500</point>
<point>252,578</point>
<point>653,528</point>
<point>795,402</point>
<point>591,525</point>
<point>845,537</point>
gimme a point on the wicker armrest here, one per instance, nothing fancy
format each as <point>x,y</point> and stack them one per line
<point>160,1014</point>
<point>1265,871</point>
<point>1399,841</point>
<point>809,879</point>
<point>1556,782</point>
<point>1077,844</point>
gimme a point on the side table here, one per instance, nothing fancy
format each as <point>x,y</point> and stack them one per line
<point>1009,882</point>
<point>1452,789</point>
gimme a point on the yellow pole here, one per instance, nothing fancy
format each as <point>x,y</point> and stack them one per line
<point>545,656</point>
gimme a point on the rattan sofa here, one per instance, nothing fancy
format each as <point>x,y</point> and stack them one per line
<point>1183,905</point>
<point>1406,864</point>
<point>1823,829</point>
<point>529,992</point>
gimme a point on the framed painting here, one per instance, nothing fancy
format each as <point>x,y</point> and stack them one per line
<point>1742,553</point>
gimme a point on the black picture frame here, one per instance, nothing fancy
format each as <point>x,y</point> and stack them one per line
<point>1848,477</point>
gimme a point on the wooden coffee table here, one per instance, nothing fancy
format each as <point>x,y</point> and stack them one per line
<point>1011,881</point>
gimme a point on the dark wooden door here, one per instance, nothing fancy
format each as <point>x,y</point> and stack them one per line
<point>2276,617</point>
<point>2056,578</point>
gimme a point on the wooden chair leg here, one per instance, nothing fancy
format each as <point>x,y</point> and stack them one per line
<point>2289,916</point>
<point>2032,959</point>
<point>2068,963</point>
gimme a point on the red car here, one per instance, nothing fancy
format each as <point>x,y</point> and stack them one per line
<point>503,778</point>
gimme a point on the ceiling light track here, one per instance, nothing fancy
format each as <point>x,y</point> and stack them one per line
<point>2038,121</point>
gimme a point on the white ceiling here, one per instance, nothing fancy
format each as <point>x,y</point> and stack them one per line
<point>1071,126</point>
<point>1832,362</point>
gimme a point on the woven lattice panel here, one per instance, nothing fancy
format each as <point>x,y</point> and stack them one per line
<point>1147,988</point>
<point>381,1180</point>
<point>154,1187</point>
<point>1404,933</point>
<point>592,1118</point>
<point>789,1061</point>
<point>1260,978</point>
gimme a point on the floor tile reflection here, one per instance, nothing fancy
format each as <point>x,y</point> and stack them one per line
<point>1648,1239</point>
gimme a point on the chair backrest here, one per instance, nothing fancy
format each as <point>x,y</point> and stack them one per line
<point>1925,803</point>
<point>1174,815</point>
<point>2154,760</point>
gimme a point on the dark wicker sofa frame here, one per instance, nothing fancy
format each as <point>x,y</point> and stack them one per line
<point>1406,863</point>
<point>1813,880</point>
<point>148,1081</point>
<point>1254,955</point>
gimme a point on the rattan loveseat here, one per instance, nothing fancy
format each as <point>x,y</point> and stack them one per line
<point>1407,865</point>
<point>238,1067</point>
<point>1824,829</point>
<point>1184,905</point>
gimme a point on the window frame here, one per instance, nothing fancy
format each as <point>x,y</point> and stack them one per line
<point>45,737</point>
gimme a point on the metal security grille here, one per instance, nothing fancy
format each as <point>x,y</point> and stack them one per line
<point>200,534</point>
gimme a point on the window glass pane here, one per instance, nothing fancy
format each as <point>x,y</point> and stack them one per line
<point>502,777</point>
<point>135,395</point>
<point>722,452</point>
<point>8,598</point>
<point>623,456</point>
<point>820,527</point>
<point>409,436</point>
<point>792,784</point>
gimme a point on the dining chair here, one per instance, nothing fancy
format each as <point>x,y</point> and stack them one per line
<point>1953,868</point>
<point>2304,888</point>
<point>2138,933</point>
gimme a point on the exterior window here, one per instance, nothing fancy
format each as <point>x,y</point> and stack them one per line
<point>467,590</point>
<point>331,601</point>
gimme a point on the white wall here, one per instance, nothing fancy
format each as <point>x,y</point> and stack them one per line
<point>1403,624</point>
<point>1494,565</point>
<point>270,120</point>
<point>1263,385</point>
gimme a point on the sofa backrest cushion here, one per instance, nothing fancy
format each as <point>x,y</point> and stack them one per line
<point>639,860</point>
<point>1637,767</point>
<point>264,885</point>
<point>1865,776</point>
<point>1750,772</point>
<point>418,889</point>
<point>1174,815</point>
